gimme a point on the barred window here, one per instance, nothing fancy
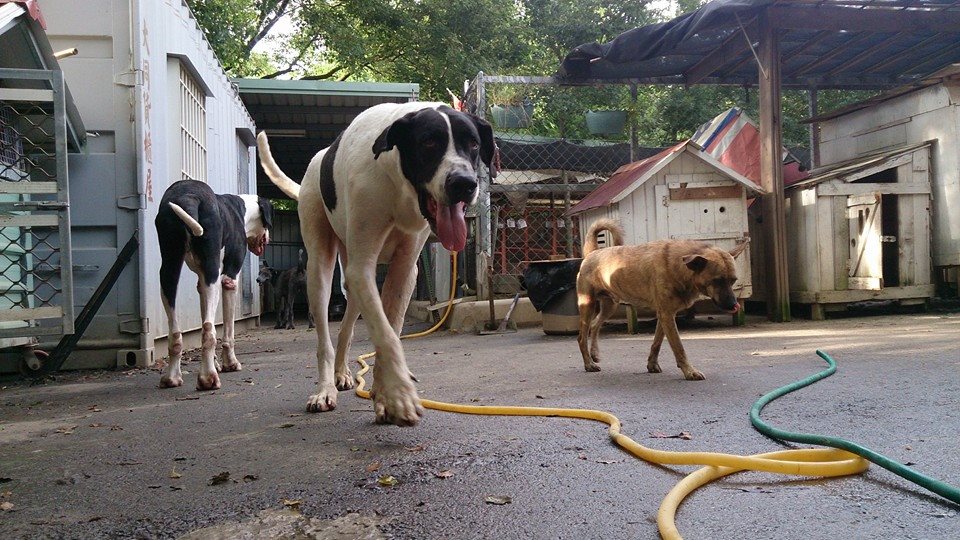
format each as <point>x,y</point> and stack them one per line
<point>193,128</point>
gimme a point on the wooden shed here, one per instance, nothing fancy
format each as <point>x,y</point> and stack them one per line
<point>860,230</point>
<point>680,193</point>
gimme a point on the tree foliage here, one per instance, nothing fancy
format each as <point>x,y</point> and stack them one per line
<point>440,43</point>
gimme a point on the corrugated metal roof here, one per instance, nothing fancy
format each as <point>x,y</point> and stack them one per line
<point>630,176</point>
<point>876,160</point>
<point>303,117</point>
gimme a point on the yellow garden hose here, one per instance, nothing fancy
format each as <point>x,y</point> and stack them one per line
<point>803,462</point>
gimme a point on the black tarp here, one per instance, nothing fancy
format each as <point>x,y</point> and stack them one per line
<point>547,280</point>
<point>833,55</point>
<point>663,45</point>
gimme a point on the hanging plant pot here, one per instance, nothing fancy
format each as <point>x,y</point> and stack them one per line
<point>606,122</point>
<point>512,116</point>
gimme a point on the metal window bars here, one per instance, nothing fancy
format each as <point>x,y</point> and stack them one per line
<point>36,286</point>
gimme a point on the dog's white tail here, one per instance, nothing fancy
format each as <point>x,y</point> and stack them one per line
<point>605,224</point>
<point>279,179</point>
<point>195,228</point>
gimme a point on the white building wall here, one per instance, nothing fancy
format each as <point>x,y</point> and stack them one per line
<point>927,114</point>
<point>168,33</point>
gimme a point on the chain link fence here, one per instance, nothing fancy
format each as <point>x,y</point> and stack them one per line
<point>553,151</point>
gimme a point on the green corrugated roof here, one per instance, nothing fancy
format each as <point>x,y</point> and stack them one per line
<point>283,86</point>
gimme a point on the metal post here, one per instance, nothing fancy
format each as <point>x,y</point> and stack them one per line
<point>633,123</point>
<point>483,243</point>
<point>771,173</point>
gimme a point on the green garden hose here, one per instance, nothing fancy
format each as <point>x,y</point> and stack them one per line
<point>940,488</point>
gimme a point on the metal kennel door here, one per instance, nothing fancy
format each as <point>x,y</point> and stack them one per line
<point>36,280</point>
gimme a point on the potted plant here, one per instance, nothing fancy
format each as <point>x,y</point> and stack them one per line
<point>511,108</point>
<point>606,122</point>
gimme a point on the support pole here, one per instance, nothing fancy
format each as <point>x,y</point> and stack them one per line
<point>812,111</point>
<point>633,123</point>
<point>771,173</point>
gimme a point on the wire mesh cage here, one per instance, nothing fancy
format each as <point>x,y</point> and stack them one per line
<point>35,295</point>
<point>555,144</point>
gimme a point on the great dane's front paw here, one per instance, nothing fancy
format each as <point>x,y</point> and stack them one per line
<point>323,401</point>
<point>591,367</point>
<point>171,381</point>
<point>653,367</point>
<point>397,403</point>
<point>208,382</point>
<point>344,380</point>
<point>693,374</point>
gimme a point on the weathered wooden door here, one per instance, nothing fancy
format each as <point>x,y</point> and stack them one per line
<point>866,249</point>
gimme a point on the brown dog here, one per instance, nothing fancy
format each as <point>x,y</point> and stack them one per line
<point>668,275</point>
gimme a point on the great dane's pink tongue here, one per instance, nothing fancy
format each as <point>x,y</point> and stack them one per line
<point>452,226</point>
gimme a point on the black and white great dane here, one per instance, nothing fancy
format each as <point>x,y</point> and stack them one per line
<point>212,234</point>
<point>398,172</point>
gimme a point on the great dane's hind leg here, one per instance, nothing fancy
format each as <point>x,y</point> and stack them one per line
<point>229,355</point>
<point>653,365</point>
<point>321,246</point>
<point>342,374</point>
<point>172,376</point>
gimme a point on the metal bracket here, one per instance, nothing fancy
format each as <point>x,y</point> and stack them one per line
<point>43,205</point>
<point>132,202</point>
<point>134,325</point>
<point>129,78</point>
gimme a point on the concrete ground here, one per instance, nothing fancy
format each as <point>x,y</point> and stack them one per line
<point>108,454</point>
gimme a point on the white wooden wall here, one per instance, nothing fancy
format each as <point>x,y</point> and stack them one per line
<point>647,214</point>
<point>927,114</point>
<point>818,237</point>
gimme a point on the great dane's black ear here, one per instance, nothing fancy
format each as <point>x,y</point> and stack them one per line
<point>488,146</point>
<point>694,262</point>
<point>266,212</point>
<point>393,134</point>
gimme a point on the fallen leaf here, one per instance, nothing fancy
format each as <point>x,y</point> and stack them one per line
<point>66,430</point>
<point>286,425</point>
<point>4,480</point>
<point>6,506</point>
<point>387,480</point>
<point>94,409</point>
<point>582,456</point>
<point>187,398</point>
<point>294,415</point>
<point>155,486</point>
<point>96,425</point>
<point>373,467</point>
<point>354,448</point>
<point>279,385</point>
<point>446,473</point>
<point>498,499</point>
<point>909,463</point>
<point>175,488</point>
<point>116,428</point>
<point>607,461</point>
<point>250,477</point>
<point>6,494</point>
<point>292,503</point>
<point>538,396</point>
<point>221,478</point>
<point>417,448</point>
<point>174,474</point>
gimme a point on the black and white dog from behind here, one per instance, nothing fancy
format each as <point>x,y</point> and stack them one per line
<point>398,172</point>
<point>291,284</point>
<point>211,233</point>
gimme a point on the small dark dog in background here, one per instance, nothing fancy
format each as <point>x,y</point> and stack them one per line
<point>290,284</point>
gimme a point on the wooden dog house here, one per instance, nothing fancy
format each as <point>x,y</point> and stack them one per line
<point>860,230</point>
<point>680,193</point>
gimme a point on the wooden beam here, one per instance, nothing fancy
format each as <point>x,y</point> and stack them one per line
<point>731,48</point>
<point>684,193</point>
<point>820,36</point>
<point>864,20</point>
<point>814,128</point>
<point>771,173</point>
